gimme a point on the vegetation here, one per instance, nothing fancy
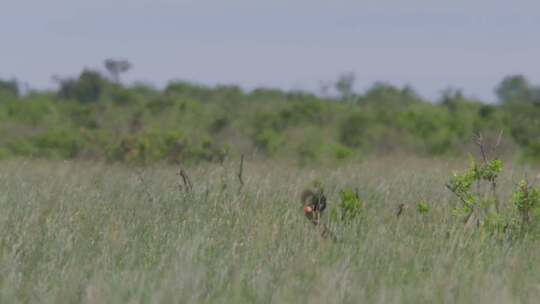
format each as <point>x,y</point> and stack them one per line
<point>95,116</point>
<point>76,232</point>
<point>114,193</point>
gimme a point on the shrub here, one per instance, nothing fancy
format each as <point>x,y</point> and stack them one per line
<point>159,104</point>
<point>9,89</point>
<point>31,113</point>
<point>476,205</point>
<point>352,130</point>
<point>268,141</point>
<point>83,116</point>
<point>172,146</point>
<point>129,149</point>
<point>123,96</point>
<point>57,144</point>
<point>299,113</point>
<point>481,201</point>
<point>308,151</point>
<point>20,147</point>
<point>219,124</point>
<point>422,207</point>
<point>263,121</point>
<point>349,208</point>
<point>89,87</point>
<point>341,152</point>
<point>532,152</point>
<point>526,200</point>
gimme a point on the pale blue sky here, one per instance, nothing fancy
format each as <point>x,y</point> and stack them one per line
<point>293,44</point>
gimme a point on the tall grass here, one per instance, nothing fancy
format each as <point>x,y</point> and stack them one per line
<point>96,233</point>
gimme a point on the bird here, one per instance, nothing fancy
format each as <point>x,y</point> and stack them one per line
<point>314,203</point>
<point>401,207</point>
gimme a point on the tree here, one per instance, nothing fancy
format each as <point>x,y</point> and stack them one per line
<point>345,85</point>
<point>451,98</point>
<point>115,67</point>
<point>9,88</point>
<point>89,87</point>
<point>516,88</point>
<point>388,96</point>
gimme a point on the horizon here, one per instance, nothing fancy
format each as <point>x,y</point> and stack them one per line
<point>290,46</point>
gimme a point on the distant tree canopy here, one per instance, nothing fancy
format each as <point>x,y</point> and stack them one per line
<point>387,95</point>
<point>116,67</point>
<point>95,116</point>
<point>345,85</point>
<point>517,88</point>
<point>88,87</point>
<point>9,88</point>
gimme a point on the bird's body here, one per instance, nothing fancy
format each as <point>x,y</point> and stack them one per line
<point>314,203</point>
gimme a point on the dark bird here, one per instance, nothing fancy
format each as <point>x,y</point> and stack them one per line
<point>314,203</point>
<point>401,207</point>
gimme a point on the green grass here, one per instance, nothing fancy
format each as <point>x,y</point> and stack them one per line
<point>74,232</point>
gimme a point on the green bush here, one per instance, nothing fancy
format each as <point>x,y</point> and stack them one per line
<point>123,96</point>
<point>532,152</point>
<point>219,124</point>
<point>269,141</point>
<point>526,200</point>
<point>57,144</point>
<point>89,87</point>
<point>269,121</point>
<point>172,146</point>
<point>20,147</point>
<point>9,90</point>
<point>309,152</point>
<point>31,113</point>
<point>352,131</point>
<point>341,152</point>
<point>349,208</point>
<point>301,113</point>
<point>422,207</point>
<point>133,122</point>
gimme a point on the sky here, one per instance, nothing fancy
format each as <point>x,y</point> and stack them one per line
<point>290,44</point>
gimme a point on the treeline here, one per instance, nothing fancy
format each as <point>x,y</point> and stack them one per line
<point>94,116</point>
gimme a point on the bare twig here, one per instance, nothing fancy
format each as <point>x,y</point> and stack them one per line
<point>493,181</point>
<point>499,140</point>
<point>187,185</point>
<point>240,172</point>
<point>486,152</point>
<point>479,140</point>
<point>459,196</point>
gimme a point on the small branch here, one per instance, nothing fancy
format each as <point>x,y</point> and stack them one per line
<point>480,142</point>
<point>188,186</point>
<point>499,139</point>
<point>240,172</point>
<point>498,143</point>
<point>461,198</point>
<point>495,196</point>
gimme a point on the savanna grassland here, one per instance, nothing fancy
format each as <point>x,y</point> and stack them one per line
<point>93,210</point>
<point>87,232</point>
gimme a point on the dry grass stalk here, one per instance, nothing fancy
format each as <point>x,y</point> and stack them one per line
<point>240,173</point>
<point>186,184</point>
